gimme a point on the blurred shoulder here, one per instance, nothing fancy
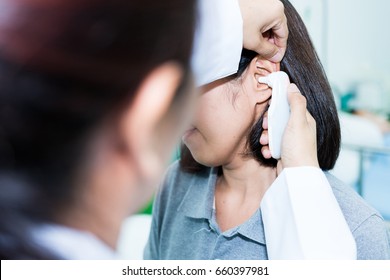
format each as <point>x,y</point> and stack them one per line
<point>366,224</point>
<point>356,210</point>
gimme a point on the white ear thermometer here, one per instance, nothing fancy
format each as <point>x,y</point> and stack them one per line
<point>279,110</point>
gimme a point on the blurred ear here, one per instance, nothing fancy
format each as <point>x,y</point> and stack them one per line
<point>140,122</point>
<point>259,67</point>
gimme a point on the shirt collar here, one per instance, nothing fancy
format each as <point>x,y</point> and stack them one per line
<point>253,228</point>
<point>198,203</point>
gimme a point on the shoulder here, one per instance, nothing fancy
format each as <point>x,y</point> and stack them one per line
<point>176,178</point>
<point>355,208</point>
<point>177,182</point>
<point>176,173</point>
<point>365,223</point>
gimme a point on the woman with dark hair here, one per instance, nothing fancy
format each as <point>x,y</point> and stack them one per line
<point>208,206</point>
<point>91,101</point>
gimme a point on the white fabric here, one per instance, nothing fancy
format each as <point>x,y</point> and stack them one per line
<point>302,219</point>
<point>218,40</point>
<point>72,244</point>
<point>133,237</point>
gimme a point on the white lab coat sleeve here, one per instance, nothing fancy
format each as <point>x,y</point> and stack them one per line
<point>218,40</point>
<point>302,219</point>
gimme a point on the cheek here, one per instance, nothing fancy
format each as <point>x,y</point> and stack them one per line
<point>222,126</point>
<point>213,117</point>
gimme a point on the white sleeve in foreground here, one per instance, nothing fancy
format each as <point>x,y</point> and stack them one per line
<point>302,219</point>
<point>218,40</point>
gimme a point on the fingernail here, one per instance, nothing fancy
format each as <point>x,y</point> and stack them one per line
<point>267,153</point>
<point>261,139</point>
<point>265,123</point>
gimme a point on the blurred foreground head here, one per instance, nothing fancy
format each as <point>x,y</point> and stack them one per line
<point>92,96</point>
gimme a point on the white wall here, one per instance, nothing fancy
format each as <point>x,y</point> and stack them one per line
<point>352,38</point>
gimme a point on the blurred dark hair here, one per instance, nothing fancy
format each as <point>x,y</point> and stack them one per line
<point>304,68</point>
<point>64,67</point>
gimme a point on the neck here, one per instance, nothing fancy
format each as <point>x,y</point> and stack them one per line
<point>239,191</point>
<point>247,178</point>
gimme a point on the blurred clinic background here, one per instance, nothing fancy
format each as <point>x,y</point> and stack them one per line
<point>352,38</point>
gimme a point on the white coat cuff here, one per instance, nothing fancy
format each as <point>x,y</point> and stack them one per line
<point>303,220</point>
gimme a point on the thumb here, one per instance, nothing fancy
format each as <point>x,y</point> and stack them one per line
<point>279,167</point>
<point>280,33</point>
<point>297,103</point>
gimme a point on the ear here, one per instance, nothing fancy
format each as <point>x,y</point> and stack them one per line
<point>139,123</point>
<point>259,67</point>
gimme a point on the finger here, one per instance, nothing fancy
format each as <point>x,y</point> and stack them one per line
<point>293,88</point>
<point>264,139</point>
<point>279,167</point>
<point>267,49</point>
<point>309,117</point>
<point>265,122</point>
<point>266,152</point>
<point>311,121</point>
<point>280,36</point>
<point>297,103</point>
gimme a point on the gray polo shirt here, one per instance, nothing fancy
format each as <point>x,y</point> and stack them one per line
<point>184,223</point>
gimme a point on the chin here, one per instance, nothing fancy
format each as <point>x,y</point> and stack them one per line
<point>205,158</point>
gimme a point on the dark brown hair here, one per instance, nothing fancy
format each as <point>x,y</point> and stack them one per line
<point>64,67</point>
<point>304,68</point>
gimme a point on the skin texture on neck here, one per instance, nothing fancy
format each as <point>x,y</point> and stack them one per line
<point>247,175</point>
<point>240,189</point>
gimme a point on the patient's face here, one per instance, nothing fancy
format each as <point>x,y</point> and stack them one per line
<point>226,113</point>
<point>222,120</point>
